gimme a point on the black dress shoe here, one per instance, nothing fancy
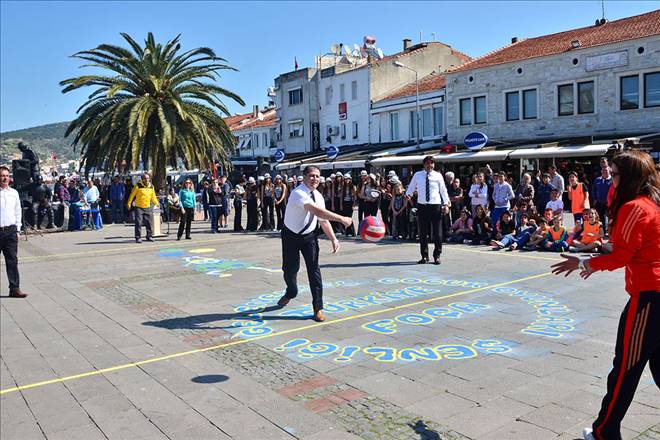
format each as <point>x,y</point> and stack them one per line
<point>148,239</point>
<point>422,261</point>
<point>436,261</point>
<point>283,301</point>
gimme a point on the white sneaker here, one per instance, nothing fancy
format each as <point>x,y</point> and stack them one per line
<point>587,433</point>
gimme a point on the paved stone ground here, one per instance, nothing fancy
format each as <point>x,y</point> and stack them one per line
<point>485,346</point>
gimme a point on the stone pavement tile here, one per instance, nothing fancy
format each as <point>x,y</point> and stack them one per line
<point>640,417</point>
<point>91,387</point>
<point>396,389</point>
<point>84,432</point>
<point>440,406</point>
<point>519,430</point>
<point>474,368</point>
<point>554,417</point>
<point>107,406</point>
<point>490,416</point>
<point>581,400</point>
<point>545,365</point>
<point>21,431</point>
<point>13,410</point>
<point>64,419</point>
<point>130,424</point>
<point>6,379</point>
<point>206,432</point>
<point>292,417</point>
<point>331,434</point>
<point>540,392</point>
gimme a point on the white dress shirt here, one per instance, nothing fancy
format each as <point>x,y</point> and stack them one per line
<point>10,208</point>
<point>295,215</point>
<point>438,193</point>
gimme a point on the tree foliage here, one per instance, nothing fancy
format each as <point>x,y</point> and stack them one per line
<point>153,106</point>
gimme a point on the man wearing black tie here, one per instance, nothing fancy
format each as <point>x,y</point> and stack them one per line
<point>432,203</point>
<point>305,210</point>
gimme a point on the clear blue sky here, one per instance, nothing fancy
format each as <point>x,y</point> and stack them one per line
<point>261,39</point>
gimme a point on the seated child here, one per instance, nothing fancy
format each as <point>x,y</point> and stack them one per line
<point>555,239</point>
<point>481,226</point>
<point>461,230</point>
<point>505,226</point>
<point>538,236</point>
<point>522,235</point>
<point>592,234</point>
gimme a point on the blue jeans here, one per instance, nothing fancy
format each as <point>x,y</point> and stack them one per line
<point>496,214</point>
<point>559,246</point>
<point>523,239</point>
<point>507,240</point>
<point>213,212</point>
<point>117,211</point>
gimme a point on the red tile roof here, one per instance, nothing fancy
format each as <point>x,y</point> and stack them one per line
<point>247,120</point>
<point>630,28</point>
<point>431,82</point>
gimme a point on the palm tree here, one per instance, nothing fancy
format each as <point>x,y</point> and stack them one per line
<point>157,107</point>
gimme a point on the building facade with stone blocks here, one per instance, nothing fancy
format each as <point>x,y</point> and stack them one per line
<point>601,81</point>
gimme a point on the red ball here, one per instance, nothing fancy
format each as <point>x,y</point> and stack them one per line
<point>372,229</point>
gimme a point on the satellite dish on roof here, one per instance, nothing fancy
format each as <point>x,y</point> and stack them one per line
<point>380,53</point>
<point>348,51</point>
<point>356,50</point>
<point>335,49</point>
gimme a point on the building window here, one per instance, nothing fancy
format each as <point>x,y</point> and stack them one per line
<point>585,97</point>
<point>466,111</point>
<point>529,104</point>
<point>328,95</point>
<point>296,129</point>
<point>354,90</point>
<point>413,124</point>
<point>565,97</point>
<point>256,140</point>
<point>629,92</point>
<point>427,122</point>
<point>342,129</point>
<point>342,92</point>
<point>512,106</point>
<point>355,130</point>
<point>652,89</point>
<point>295,96</point>
<point>438,121</point>
<point>394,126</point>
<point>264,140</point>
<point>279,133</point>
<point>480,110</point>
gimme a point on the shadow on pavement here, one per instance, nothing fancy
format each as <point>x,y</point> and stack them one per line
<point>210,378</point>
<point>198,322</point>
<point>423,431</point>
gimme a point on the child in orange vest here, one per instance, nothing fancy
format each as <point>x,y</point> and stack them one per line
<point>592,234</point>
<point>555,239</point>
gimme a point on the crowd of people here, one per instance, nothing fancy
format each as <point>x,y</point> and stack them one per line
<point>490,209</point>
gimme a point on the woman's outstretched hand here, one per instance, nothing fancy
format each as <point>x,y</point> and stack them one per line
<point>569,265</point>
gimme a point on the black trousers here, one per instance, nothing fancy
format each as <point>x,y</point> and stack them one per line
<point>430,223</point>
<point>252,221</point>
<point>268,213</point>
<point>637,343</point>
<point>9,250</point>
<point>142,215</point>
<point>371,208</point>
<point>186,221</point>
<point>308,245</point>
<point>280,210</point>
<point>601,209</point>
<point>238,214</point>
<point>348,212</point>
<point>361,209</point>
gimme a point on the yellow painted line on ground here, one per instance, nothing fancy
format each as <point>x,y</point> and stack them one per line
<point>507,254</point>
<point>257,338</point>
<point>133,248</point>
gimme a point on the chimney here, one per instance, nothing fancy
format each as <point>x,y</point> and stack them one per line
<point>255,111</point>
<point>514,40</point>
<point>407,42</point>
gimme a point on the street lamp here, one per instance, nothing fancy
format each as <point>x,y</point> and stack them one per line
<point>403,66</point>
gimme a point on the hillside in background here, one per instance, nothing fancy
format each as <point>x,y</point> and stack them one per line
<point>43,139</point>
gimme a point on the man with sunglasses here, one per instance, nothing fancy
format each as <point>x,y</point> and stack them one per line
<point>305,211</point>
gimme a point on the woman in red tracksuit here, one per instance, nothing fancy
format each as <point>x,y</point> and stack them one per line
<point>635,216</point>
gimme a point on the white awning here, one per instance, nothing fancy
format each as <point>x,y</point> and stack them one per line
<point>465,156</point>
<point>566,151</point>
<point>295,121</point>
<point>245,162</point>
<point>340,164</point>
<point>288,165</point>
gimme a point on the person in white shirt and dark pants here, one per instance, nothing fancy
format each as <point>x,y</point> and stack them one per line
<point>432,203</point>
<point>10,226</point>
<point>305,210</point>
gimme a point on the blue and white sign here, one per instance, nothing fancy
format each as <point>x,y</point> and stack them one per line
<point>279,156</point>
<point>475,140</point>
<point>332,152</point>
